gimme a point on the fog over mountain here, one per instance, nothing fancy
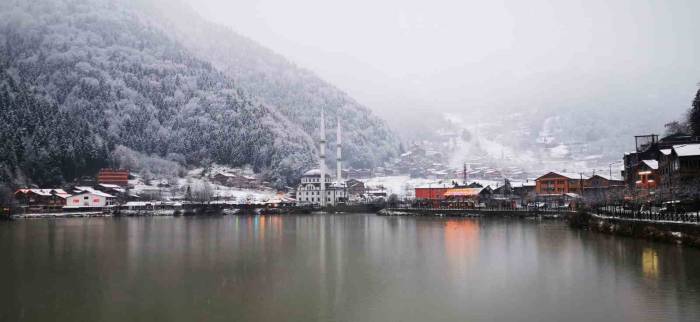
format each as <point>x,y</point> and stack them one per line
<point>83,81</point>
<point>531,84</point>
<point>594,71</point>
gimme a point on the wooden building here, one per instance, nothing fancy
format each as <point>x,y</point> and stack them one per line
<point>42,199</point>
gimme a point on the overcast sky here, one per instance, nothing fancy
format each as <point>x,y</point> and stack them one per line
<point>462,54</point>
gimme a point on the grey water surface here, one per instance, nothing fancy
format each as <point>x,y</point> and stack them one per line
<point>338,268</point>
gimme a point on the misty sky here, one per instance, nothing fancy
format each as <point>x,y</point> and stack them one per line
<point>459,55</point>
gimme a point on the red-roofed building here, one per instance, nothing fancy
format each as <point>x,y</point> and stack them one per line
<point>559,183</point>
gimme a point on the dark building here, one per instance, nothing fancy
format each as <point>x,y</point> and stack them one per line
<point>42,199</point>
<point>648,147</point>
<point>679,170</point>
<point>355,187</point>
<point>600,188</point>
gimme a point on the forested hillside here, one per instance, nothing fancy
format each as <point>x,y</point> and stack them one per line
<point>293,91</point>
<point>84,76</point>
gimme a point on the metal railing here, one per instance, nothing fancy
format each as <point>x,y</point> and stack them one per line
<point>647,214</point>
<point>532,210</point>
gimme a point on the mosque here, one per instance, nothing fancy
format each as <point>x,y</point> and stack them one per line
<point>327,192</point>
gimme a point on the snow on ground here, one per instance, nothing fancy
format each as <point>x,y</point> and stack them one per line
<point>195,180</point>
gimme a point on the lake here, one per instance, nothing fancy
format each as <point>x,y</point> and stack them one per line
<point>358,267</point>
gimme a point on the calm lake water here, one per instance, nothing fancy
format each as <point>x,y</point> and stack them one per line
<point>337,268</point>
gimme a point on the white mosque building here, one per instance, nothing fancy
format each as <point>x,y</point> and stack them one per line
<point>331,192</point>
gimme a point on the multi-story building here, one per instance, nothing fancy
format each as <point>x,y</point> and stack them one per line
<point>649,148</point>
<point>560,183</point>
<point>679,171</point>
<point>118,177</point>
<point>90,199</point>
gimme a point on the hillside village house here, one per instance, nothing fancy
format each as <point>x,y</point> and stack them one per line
<point>235,180</point>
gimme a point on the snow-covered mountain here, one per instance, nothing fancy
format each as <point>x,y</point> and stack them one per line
<point>80,77</point>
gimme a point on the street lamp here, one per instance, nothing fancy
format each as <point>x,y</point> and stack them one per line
<point>610,165</point>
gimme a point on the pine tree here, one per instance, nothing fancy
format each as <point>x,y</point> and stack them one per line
<point>694,116</point>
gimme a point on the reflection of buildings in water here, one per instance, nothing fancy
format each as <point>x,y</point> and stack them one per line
<point>650,263</point>
<point>461,244</point>
<point>270,225</point>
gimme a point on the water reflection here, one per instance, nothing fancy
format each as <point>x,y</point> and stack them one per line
<point>650,263</point>
<point>461,245</point>
<point>341,268</point>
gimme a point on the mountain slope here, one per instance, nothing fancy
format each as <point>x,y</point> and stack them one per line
<point>125,82</point>
<point>294,92</point>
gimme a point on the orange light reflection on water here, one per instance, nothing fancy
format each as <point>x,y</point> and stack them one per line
<point>461,244</point>
<point>650,263</point>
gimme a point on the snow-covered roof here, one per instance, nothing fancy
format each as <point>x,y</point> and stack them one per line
<point>607,177</point>
<point>95,192</point>
<point>47,192</point>
<point>314,173</point>
<point>652,164</point>
<point>666,151</point>
<point>687,150</point>
<point>109,185</point>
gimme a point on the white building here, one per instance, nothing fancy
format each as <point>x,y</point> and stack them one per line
<point>90,199</point>
<point>309,190</point>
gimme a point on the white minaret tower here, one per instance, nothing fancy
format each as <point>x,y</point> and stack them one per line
<point>322,161</point>
<point>339,155</point>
